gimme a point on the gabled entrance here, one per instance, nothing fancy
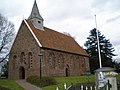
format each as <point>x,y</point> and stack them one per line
<point>21,73</point>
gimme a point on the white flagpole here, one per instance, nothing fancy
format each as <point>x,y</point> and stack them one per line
<point>98,43</point>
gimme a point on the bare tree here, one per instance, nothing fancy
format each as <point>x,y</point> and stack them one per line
<point>7,33</point>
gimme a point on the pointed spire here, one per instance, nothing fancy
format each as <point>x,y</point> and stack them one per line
<point>35,17</point>
<point>35,12</point>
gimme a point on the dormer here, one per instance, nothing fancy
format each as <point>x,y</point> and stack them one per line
<point>36,18</point>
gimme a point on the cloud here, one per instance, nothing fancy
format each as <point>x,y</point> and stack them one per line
<point>65,9</point>
<point>115,40</point>
<point>11,8</point>
<point>6,7</point>
<point>73,16</point>
<point>106,5</point>
<point>113,19</point>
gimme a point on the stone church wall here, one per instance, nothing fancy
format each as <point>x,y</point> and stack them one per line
<point>57,63</point>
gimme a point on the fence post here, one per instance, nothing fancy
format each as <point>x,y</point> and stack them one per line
<point>81,87</point>
<point>95,87</point>
<point>65,86</point>
<point>86,88</point>
<point>57,88</point>
<point>90,87</point>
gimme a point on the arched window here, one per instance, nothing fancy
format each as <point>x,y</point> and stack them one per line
<point>22,57</point>
<point>14,61</point>
<point>61,61</point>
<point>30,62</point>
<point>82,62</point>
<point>72,61</point>
<point>77,64</point>
<point>51,60</point>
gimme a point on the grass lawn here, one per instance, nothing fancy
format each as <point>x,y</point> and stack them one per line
<point>74,80</point>
<point>69,80</point>
<point>11,84</point>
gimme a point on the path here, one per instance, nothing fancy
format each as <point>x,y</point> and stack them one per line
<point>27,86</point>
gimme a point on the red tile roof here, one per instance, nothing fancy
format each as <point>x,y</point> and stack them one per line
<point>58,41</point>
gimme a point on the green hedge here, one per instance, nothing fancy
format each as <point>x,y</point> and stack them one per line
<point>44,81</point>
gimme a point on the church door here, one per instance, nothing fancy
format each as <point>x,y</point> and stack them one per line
<point>22,73</point>
<point>67,71</point>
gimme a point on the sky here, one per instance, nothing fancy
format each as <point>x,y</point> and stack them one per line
<point>76,17</point>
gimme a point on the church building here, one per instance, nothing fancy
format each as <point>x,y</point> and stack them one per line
<point>38,50</point>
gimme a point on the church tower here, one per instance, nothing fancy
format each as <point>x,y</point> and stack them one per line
<point>35,17</point>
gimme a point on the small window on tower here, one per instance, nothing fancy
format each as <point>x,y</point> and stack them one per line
<point>39,22</point>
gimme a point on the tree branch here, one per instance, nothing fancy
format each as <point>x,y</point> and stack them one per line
<point>4,58</point>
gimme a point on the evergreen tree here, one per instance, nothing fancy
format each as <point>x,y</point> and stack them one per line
<point>106,50</point>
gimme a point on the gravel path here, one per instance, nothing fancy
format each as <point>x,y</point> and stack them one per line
<point>27,86</point>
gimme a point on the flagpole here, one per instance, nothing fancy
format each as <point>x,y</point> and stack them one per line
<point>98,43</point>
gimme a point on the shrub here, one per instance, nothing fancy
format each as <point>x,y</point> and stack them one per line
<point>47,81</point>
<point>33,79</point>
<point>44,81</point>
